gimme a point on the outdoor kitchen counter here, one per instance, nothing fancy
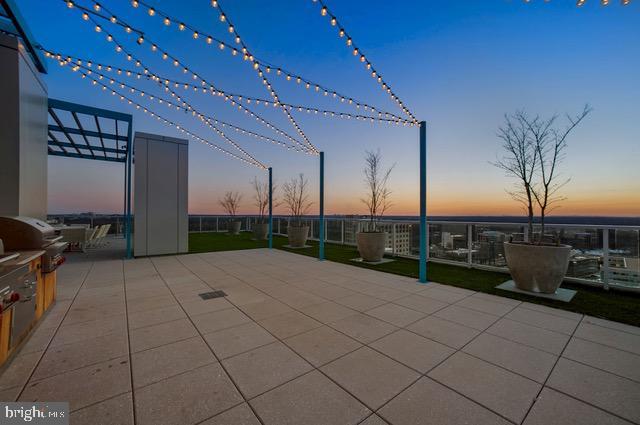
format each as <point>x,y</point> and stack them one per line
<point>25,258</point>
<point>45,292</point>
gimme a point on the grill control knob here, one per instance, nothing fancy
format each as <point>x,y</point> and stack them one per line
<point>15,297</point>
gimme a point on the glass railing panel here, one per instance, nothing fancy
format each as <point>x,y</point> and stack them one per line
<point>624,258</point>
<point>351,227</point>
<point>334,230</point>
<point>448,242</point>
<point>587,249</point>
<point>487,245</point>
<point>194,223</point>
<point>209,223</point>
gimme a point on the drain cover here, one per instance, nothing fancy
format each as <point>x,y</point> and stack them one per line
<point>212,294</point>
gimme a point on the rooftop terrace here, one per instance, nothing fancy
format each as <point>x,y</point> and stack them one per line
<point>300,341</point>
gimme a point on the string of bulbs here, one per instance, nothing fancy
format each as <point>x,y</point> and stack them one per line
<point>256,66</point>
<point>268,67</point>
<point>207,120</point>
<point>88,15</point>
<point>124,98</point>
<point>581,3</point>
<point>167,83</point>
<point>342,33</point>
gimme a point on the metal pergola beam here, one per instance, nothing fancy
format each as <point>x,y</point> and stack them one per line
<point>64,130</point>
<point>83,156</point>
<point>109,150</point>
<point>82,133</point>
<point>120,153</point>
<point>89,133</point>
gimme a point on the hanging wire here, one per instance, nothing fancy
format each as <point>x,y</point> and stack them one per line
<point>168,122</point>
<point>88,16</point>
<point>266,66</point>
<point>342,33</point>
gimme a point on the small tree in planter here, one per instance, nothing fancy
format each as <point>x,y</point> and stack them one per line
<point>230,203</point>
<point>371,242</point>
<point>535,148</point>
<point>296,198</point>
<point>261,202</point>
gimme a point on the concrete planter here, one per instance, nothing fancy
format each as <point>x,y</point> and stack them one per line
<point>298,236</point>
<point>537,268</point>
<point>260,231</point>
<point>234,227</point>
<point>371,245</point>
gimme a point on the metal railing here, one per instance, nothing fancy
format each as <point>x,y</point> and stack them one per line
<point>604,256</point>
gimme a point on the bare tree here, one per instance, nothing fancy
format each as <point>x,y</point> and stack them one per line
<point>535,148</point>
<point>378,195</point>
<point>550,145</point>
<point>230,202</point>
<point>261,197</point>
<point>296,198</point>
<point>520,160</point>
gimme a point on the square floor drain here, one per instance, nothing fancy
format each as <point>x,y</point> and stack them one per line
<point>212,294</point>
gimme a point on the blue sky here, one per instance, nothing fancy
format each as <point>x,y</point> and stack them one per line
<point>459,65</point>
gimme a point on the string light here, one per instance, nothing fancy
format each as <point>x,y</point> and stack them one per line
<point>324,11</point>
<point>204,82</point>
<point>228,96</point>
<point>265,81</point>
<point>234,144</point>
<point>299,79</point>
<point>172,124</point>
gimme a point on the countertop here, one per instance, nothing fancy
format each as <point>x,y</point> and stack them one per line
<point>25,257</point>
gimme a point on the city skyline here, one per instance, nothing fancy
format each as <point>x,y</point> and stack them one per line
<point>461,68</point>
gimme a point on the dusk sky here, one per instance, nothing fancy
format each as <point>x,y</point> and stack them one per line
<point>459,65</point>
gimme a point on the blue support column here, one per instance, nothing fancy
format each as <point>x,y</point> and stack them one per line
<point>423,202</point>
<point>321,230</point>
<point>270,208</point>
<point>128,165</point>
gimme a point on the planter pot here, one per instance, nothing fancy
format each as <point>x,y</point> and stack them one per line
<point>260,231</point>
<point>234,227</point>
<point>298,236</point>
<point>537,268</point>
<point>371,245</point>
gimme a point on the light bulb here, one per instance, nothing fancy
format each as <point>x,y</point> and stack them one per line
<point>167,21</point>
<point>96,7</point>
<point>134,3</point>
<point>323,11</point>
<point>151,11</point>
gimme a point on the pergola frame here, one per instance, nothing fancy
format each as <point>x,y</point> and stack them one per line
<point>109,146</point>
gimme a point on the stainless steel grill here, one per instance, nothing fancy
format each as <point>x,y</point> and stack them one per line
<point>26,233</point>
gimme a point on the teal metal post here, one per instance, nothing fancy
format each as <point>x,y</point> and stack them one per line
<point>129,161</point>
<point>270,208</point>
<point>423,202</point>
<point>321,230</point>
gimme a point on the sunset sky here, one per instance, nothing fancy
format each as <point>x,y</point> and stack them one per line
<point>459,65</point>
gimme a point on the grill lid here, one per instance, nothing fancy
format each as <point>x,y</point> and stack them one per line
<point>21,233</point>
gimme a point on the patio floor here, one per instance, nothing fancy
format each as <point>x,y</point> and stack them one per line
<point>297,341</point>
